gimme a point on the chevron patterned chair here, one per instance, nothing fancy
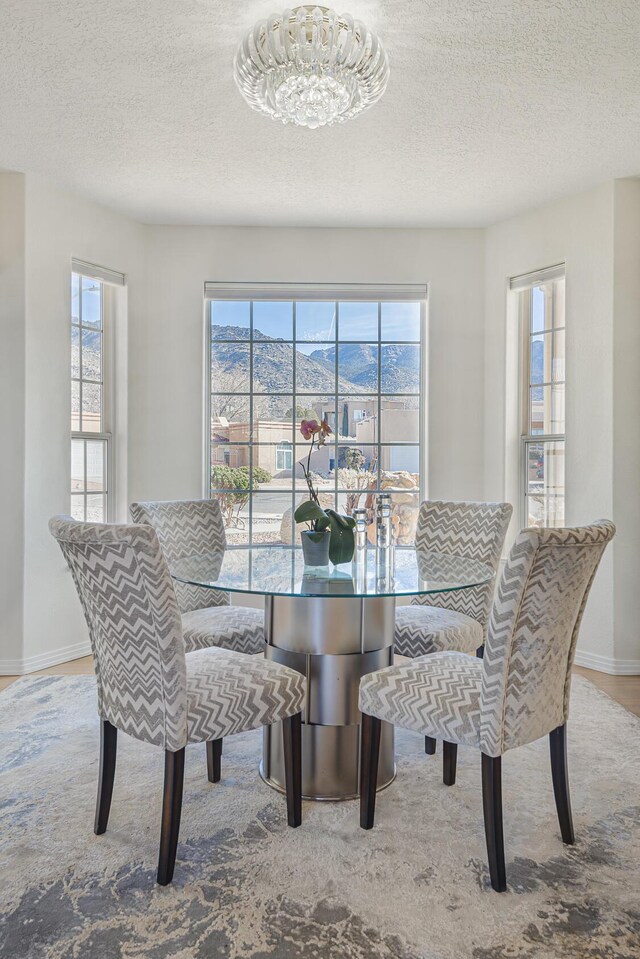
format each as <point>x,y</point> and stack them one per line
<point>184,528</point>
<point>457,620</point>
<point>516,694</point>
<point>149,688</point>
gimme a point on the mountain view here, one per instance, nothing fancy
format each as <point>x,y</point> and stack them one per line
<point>315,371</point>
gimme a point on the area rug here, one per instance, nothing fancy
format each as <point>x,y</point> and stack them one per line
<point>414,887</point>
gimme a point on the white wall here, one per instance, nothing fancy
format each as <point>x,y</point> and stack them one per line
<point>597,235</point>
<point>166,383</point>
<point>57,226</point>
<point>626,422</point>
<point>12,375</point>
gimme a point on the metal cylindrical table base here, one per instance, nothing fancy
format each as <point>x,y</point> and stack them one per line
<point>333,641</point>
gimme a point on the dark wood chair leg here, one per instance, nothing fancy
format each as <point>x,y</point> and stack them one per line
<point>171,810</point>
<point>492,805</point>
<point>292,742</point>
<point>369,754</point>
<point>560,776</point>
<point>429,745</point>
<point>449,757</point>
<point>214,755</point>
<point>108,746</point>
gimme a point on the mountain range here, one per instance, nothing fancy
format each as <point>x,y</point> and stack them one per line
<point>273,366</point>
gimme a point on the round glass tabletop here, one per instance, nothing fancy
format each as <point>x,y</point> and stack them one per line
<point>280,570</point>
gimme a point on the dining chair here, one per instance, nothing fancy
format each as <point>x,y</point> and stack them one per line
<point>187,527</point>
<point>151,689</point>
<point>456,620</point>
<point>516,694</point>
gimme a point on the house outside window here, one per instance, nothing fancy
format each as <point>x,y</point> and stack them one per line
<point>274,360</point>
<point>284,456</point>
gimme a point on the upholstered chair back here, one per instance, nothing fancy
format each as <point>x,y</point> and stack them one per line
<point>533,631</point>
<point>476,530</point>
<point>184,528</point>
<point>130,606</point>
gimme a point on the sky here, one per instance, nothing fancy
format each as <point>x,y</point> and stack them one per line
<point>316,322</point>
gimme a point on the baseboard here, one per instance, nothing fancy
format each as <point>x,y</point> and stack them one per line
<point>606,664</point>
<point>30,664</point>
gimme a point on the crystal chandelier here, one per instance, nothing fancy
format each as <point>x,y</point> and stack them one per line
<point>311,66</point>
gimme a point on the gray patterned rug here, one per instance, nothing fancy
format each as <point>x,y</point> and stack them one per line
<point>415,887</point>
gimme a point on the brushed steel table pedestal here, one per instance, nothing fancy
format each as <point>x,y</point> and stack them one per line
<point>333,641</point>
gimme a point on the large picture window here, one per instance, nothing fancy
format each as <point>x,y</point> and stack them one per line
<point>542,324</point>
<point>358,363</point>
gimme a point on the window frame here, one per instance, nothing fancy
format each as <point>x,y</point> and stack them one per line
<point>523,288</point>
<point>334,293</point>
<point>106,382</point>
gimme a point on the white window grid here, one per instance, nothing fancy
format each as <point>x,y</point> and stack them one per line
<point>550,439</point>
<point>90,448</point>
<point>226,453</point>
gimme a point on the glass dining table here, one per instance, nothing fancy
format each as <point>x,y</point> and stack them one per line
<point>333,625</point>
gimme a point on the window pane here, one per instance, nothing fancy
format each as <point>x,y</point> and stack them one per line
<point>230,368</point>
<point>272,368</point>
<point>400,459</point>
<point>96,508</point>
<point>401,321</point>
<point>272,417</point>
<point>358,321</point>
<point>91,355</point>
<point>322,465</point>
<point>400,369</point>
<point>315,321</point>
<point>359,498</point>
<point>400,419</point>
<point>91,408</point>
<point>318,407</point>
<point>226,461</point>
<point>358,368</point>
<point>75,352</point>
<point>358,418</point>
<point>271,517</point>
<point>358,467</point>
<point>545,483</point>
<point>77,466</point>
<point>547,409</point>
<point>95,466</point>
<point>75,406</point>
<point>75,298</point>
<point>230,320</point>
<point>233,409</point>
<point>539,318</point>
<point>77,507</point>
<point>235,514</point>
<point>273,465</point>
<point>273,320</point>
<point>91,303</point>
<point>315,366</point>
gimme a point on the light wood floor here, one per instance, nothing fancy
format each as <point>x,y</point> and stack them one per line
<point>624,689</point>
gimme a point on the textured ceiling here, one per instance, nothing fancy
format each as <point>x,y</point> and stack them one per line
<point>493,106</point>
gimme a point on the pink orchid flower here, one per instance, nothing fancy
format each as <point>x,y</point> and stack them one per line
<point>309,428</point>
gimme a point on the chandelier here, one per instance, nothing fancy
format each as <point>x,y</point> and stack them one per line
<point>311,66</point>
